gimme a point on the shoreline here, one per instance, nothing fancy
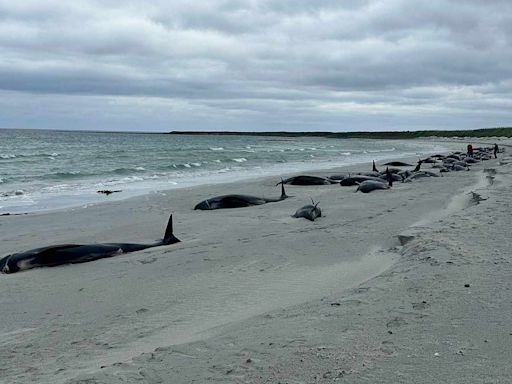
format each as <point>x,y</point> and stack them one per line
<point>244,284</point>
<point>243,176</point>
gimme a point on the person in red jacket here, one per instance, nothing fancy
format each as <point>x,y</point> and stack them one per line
<point>470,150</point>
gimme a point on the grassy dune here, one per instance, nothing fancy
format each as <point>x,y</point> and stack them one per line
<point>484,132</point>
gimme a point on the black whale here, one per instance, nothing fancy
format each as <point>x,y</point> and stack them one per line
<point>75,253</point>
<point>237,201</point>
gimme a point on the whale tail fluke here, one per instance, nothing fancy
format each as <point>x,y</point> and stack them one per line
<point>169,237</point>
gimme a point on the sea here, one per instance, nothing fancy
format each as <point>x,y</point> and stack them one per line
<point>48,169</point>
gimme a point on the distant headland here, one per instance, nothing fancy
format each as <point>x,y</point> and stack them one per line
<point>483,132</point>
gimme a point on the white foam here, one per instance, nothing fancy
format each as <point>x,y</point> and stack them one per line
<point>380,150</point>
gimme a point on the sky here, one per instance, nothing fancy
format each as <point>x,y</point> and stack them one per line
<point>256,65</point>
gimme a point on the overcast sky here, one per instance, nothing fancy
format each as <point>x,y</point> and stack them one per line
<point>330,65</point>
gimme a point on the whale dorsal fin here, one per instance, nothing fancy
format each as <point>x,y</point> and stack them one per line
<point>283,192</point>
<point>169,237</point>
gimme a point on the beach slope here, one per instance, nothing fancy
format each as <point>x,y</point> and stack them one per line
<point>254,295</point>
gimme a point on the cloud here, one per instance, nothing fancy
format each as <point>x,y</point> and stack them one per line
<point>256,64</point>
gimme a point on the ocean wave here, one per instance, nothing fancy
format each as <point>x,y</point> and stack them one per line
<point>127,170</point>
<point>380,150</point>
<point>64,175</point>
<point>196,164</point>
<point>216,148</point>
<point>184,165</point>
<point>123,180</point>
<point>131,179</point>
<point>57,188</point>
<point>240,160</point>
<point>48,155</point>
<point>17,192</point>
<point>43,154</point>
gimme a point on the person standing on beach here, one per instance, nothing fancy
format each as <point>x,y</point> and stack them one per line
<point>470,150</point>
<point>495,150</point>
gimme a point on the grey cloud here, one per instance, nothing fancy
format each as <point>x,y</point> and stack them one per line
<point>267,60</point>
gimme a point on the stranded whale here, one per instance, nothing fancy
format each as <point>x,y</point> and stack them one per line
<point>371,185</point>
<point>237,201</point>
<point>75,253</point>
<point>308,180</point>
<point>310,211</point>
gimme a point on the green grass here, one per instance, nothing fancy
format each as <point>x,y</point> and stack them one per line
<point>484,132</point>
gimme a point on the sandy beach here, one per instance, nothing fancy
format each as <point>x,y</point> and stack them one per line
<point>253,295</point>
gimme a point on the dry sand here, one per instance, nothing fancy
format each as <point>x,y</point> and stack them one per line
<point>252,295</point>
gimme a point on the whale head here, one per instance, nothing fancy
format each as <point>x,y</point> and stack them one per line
<point>4,264</point>
<point>204,205</point>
